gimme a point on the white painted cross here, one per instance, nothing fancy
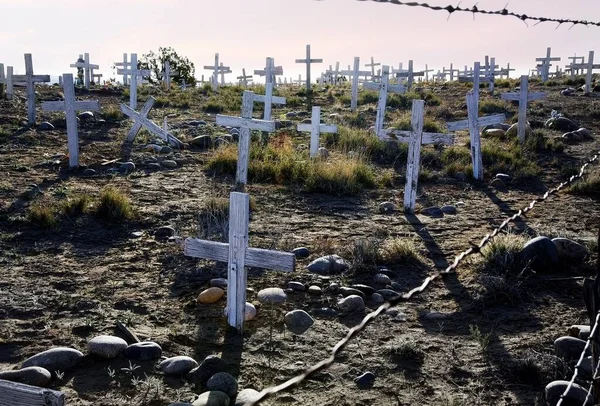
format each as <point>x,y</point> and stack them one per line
<point>30,80</point>
<point>589,66</point>
<point>134,73</point>
<point>70,106</point>
<point>167,75</point>
<point>308,61</point>
<point>473,124</point>
<point>299,81</point>
<point>451,71</point>
<point>268,99</point>
<point>355,73</point>
<point>476,79</point>
<point>141,120</point>
<point>409,74</point>
<point>523,96</point>
<point>87,68</point>
<point>244,79</point>
<point>6,81</point>
<point>270,72</point>
<point>316,128</point>
<point>218,68</point>
<point>124,65</point>
<point>335,73</point>
<point>415,138</point>
<point>545,66</point>
<point>427,70</point>
<point>223,70</point>
<point>575,60</point>
<point>96,78</point>
<point>245,123</point>
<point>372,65</point>
<point>506,71</point>
<point>383,87</point>
<point>238,256</point>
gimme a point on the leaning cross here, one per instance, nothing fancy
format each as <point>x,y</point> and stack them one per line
<point>245,123</point>
<point>383,87</point>
<point>217,68</point>
<point>523,96</point>
<point>238,256</point>
<point>141,120</point>
<point>87,68</point>
<point>473,123</point>
<point>372,65</point>
<point>70,106</point>
<point>545,66</point>
<point>134,72</point>
<point>316,128</point>
<point>30,79</point>
<point>355,73</point>
<point>308,61</point>
<point>268,99</point>
<point>244,79</point>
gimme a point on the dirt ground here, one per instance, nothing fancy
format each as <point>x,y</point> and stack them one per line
<point>64,285</point>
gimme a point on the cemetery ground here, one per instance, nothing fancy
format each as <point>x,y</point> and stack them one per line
<point>79,250</point>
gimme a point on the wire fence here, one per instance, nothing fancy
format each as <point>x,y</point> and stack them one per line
<point>476,10</point>
<point>353,332</point>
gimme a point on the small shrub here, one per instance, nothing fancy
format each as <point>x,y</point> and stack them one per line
<point>162,102</point>
<point>42,215</point>
<point>406,351</point>
<point>181,101</point>
<point>484,339</point>
<point>589,185</point>
<point>367,97</point>
<point>501,255</point>
<point>213,219</point>
<point>358,119</point>
<point>401,251</point>
<point>114,205</point>
<point>493,107</point>
<point>112,113</point>
<point>213,106</point>
<point>76,205</point>
<point>352,139</point>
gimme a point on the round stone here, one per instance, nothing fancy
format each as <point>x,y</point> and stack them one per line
<point>272,295</point>
<point>127,167</point>
<point>388,294</point>
<point>569,348</point>
<point>164,232</point>
<point>503,177</point>
<point>577,395</point>
<point>202,141</point>
<point>432,212</point>
<point>494,132</point>
<point>211,365</point>
<point>166,150</point>
<point>561,124</point>
<point>86,115</point>
<point>377,299</point>
<point>223,382</point>
<point>46,126</point>
<point>322,152</point>
<point>245,397</point>
<point>366,380</point>
<point>387,207</point>
<point>179,365</point>
<point>540,253</point>
<point>382,279</point>
<point>170,164</point>
<point>218,283</point>
<point>55,359</point>
<point>315,290</point>
<point>448,209</point>
<point>297,286</point>
<point>346,291</point>
<point>144,351</point>
<point>581,331</point>
<point>327,265</point>
<point>352,304</point>
<point>212,398</point>
<point>569,250</point>
<point>89,172</point>
<point>154,166</point>
<point>210,295</point>
<point>249,312</point>
<point>301,252</point>
<point>298,321</point>
<point>367,290</point>
<point>106,346</point>
<point>36,376</point>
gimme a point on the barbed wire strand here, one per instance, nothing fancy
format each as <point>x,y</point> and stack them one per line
<point>594,377</point>
<point>353,332</point>
<point>504,12</point>
<point>581,358</point>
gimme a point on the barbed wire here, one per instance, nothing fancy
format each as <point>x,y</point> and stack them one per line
<point>268,392</point>
<point>589,393</point>
<point>504,12</point>
<point>581,357</point>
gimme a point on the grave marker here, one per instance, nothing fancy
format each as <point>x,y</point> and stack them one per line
<point>124,65</point>
<point>218,68</point>
<point>587,67</point>
<point>523,97</point>
<point>238,256</point>
<point>355,75</point>
<point>30,80</point>
<point>372,65</point>
<point>427,70</point>
<point>87,69</point>
<point>141,120</point>
<point>167,75</point>
<point>268,99</point>
<point>134,73</point>
<point>18,394</point>
<point>409,74</point>
<point>316,128</point>
<point>383,87</point>
<point>476,79</point>
<point>245,123</point>
<point>244,79</point>
<point>308,61</point>
<point>451,72</point>
<point>575,60</point>
<point>70,106</point>
<point>545,66</point>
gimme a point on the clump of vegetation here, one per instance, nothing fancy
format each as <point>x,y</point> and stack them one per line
<point>77,205</point>
<point>114,205</point>
<point>43,215</point>
<point>589,185</point>
<point>402,251</point>
<point>213,106</point>
<point>429,124</point>
<point>457,159</point>
<point>213,218</point>
<point>406,350</point>
<point>539,140</point>
<point>367,97</point>
<point>162,102</point>
<point>494,107</point>
<point>112,113</point>
<point>352,139</point>
<point>484,339</point>
<point>508,158</point>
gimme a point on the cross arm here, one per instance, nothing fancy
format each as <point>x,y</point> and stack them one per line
<point>324,128</point>
<point>481,121</point>
<point>261,98</point>
<point>428,138</point>
<point>301,61</point>
<point>34,78</point>
<point>250,123</point>
<point>255,257</point>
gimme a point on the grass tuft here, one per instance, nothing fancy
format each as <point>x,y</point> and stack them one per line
<point>43,215</point>
<point>114,205</point>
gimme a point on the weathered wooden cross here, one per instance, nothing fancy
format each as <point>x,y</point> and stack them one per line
<point>218,68</point>
<point>308,61</point>
<point>245,123</point>
<point>409,74</point>
<point>383,87</point>
<point>223,70</point>
<point>355,73</point>
<point>587,67</point>
<point>299,81</point>
<point>545,66</point>
<point>6,81</point>
<point>238,256</point>
<point>70,106</point>
<point>87,68</point>
<point>268,99</point>
<point>523,97</point>
<point>476,79</point>
<point>96,77</point>
<point>270,72</point>
<point>316,128</point>
<point>335,73</point>
<point>575,60</point>
<point>506,71</point>
<point>141,120</point>
<point>167,75</point>
<point>372,65</point>
<point>134,73</point>
<point>30,80</point>
<point>427,70</point>
<point>473,124</point>
<point>244,79</point>
<point>19,394</point>
<point>451,71</point>
<point>124,65</point>
<point>415,138</point>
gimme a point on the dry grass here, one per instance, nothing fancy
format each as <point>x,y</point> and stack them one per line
<point>43,215</point>
<point>401,251</point>
<point>589,186</point>
<point>114,205</point>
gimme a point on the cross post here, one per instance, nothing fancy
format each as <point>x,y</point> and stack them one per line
<point>355,73</point>
<point>268,99</point>
<point>123,64</point>
<point>134,73</point>
<point>409,74</point>
<point>372,65</point>
<point>545,66</point>
<point>244,79</point>
<point>316,128</point>
<point>383,87</point>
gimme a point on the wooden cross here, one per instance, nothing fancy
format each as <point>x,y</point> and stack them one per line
<point>218,68</point>
<point>134,73</point>
<point>506,71</point>
<point>30,80</point>
<point>476,79</point>
<point>238,256</point>
<point>575,60</point>
<point>545,66</point>
<point>245,123</point>
<point>87,68</point>
<point>451,71</point>
<point>244,79</point>
<point>335,72</point>
<point>308,61</point>
<point>96,77</point>
<point>523,97</point>
<point>141,120</point>
<point>409,74</point>
<point>124,65</point>
<point>270,72</point>
<point>167,75</point>
<point>316,128</point>
<point>440,76</point>
<point>70,106</point>
<point>355,73</point>
<point>6,81</point>
<point>19,394</point>
<point>372,65</point>
<point>268,99</point>
<point>223,70</point>
<point>415,138</point>
<point>383,87</point>
<point>473,123</point>
<point>299,81</point>
<point>427,70</point>
<point>589,67</point>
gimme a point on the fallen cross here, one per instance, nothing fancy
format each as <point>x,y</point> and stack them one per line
<point>141,120</point>
<point>523,97</point>
<point>87,68</point>
<point>355,73</point>
<point>238,256</point>
<point>70,106</point>
<point>308,61</point>
<point>18,394</point>
<point>383,87</point>
<point>30,79</point>
<point>268,99</point>
<point>134,73</point>
<point>245,123</point>
<point>316,128</point>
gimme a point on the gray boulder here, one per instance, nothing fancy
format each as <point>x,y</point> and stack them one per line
<point>540,253</point>
<point>577,395</point>
<point>352,304</point>
<point>55,359</point>
<point>223,382</point>
<point>144,351</point>
<point>212,398</point>
<point>298,321</point>
<point>569,250</point>
<point>106,346</point>
<point>245,397</point>
<point>327,265</point>
<point>211,365</point>
<point>272,295</point>
<point>36,376</point>
<point>569,348</point>
<point>179,365</point>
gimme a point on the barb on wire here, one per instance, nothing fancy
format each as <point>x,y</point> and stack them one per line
<point>581,357</point>
<point>504,12</point>
<point>268,392</point>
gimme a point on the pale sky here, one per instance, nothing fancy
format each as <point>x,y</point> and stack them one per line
<point>244,32</point>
